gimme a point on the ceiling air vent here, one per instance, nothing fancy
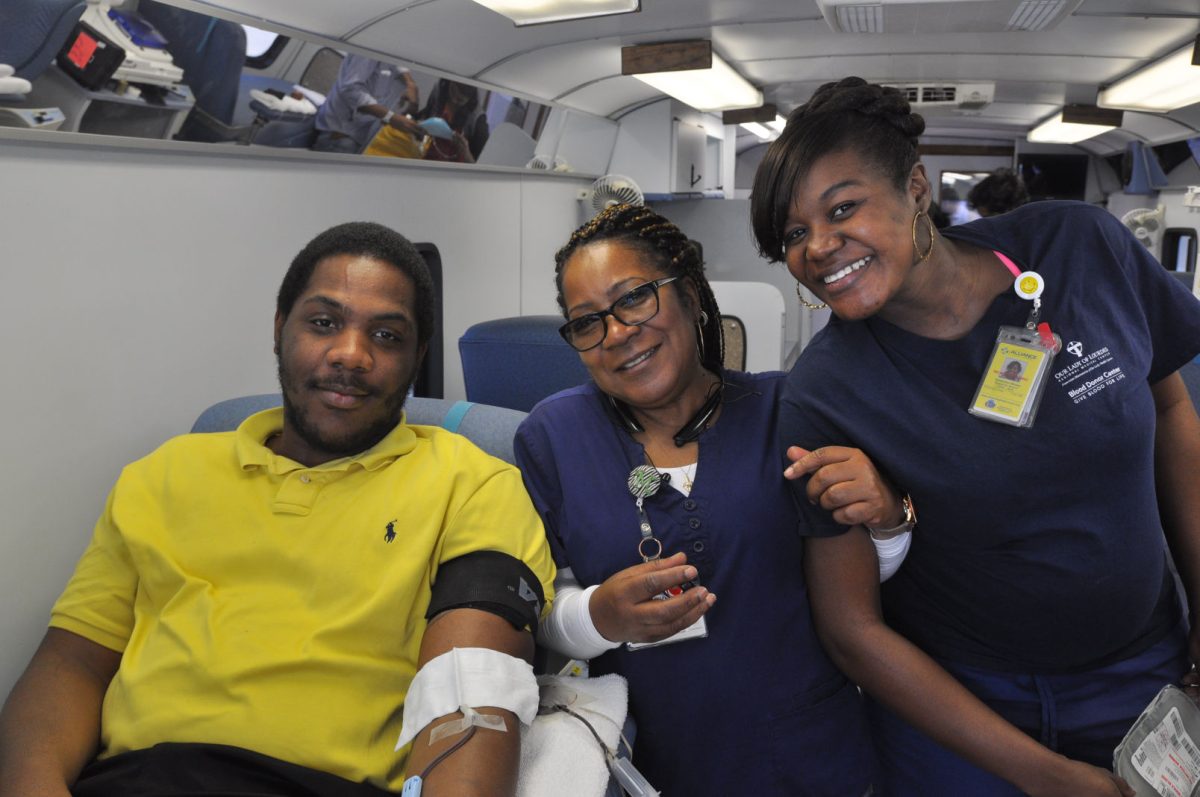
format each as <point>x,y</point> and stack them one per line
<point>860,18</point>
<point>1041,14</point>
<point>968,96</point>
<point>937,94</point>
<point>944,16</point>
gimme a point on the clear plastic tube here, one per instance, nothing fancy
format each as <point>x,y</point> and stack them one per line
<point>632,781</point>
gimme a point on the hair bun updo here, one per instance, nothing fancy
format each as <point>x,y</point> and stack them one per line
<point>850,114</point>
<point>871,99</point>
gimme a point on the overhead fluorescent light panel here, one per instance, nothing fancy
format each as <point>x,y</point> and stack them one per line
<point>690,72</point>
<point>539,12</point>
<point>1075,123</point>
<point>1168,83</point>
<point>760,130</point>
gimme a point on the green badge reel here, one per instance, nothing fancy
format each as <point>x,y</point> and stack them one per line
<point>1160,756</point>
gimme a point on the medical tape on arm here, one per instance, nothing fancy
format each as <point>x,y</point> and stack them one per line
<point>465,678</point>
<point>470,717</point>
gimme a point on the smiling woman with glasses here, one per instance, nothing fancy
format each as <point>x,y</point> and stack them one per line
<point>631,309</point>
<point>660,485</point>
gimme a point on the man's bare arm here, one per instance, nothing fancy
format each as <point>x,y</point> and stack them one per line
<point>487,764</point>
<point>50,724</point>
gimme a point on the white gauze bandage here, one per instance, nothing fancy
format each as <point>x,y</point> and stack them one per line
<point>471,678</point>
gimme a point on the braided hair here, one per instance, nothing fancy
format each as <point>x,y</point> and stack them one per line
<point>664,244</point>
<point>874,121</point>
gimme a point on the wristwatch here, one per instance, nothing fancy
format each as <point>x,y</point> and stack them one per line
<point>910,519</point>
<point>387,117</point>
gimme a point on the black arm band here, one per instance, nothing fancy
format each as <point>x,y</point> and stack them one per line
<point>493,582</point>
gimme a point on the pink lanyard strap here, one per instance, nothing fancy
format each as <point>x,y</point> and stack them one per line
<point>1016,272</point>
<point>1043,328</point>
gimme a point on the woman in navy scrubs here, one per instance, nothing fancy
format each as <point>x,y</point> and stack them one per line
<point>660,486</point>
<point>1035,616</point>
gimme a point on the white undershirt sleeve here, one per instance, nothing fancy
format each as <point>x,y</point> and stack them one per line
<point>569,629</point>
<point>891,553</point>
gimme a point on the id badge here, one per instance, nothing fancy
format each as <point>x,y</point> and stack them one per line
<point>1012,386</point>
<point>696,630</point>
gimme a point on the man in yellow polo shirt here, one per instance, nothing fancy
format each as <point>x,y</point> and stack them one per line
<point>262,611</point>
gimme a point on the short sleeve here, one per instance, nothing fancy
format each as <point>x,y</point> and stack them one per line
<point>97,603</point>
<point>532,453</point>
<point>356,74</point>
<point>1172,313</point>
<point>498,516</point>
<point>801,423</point>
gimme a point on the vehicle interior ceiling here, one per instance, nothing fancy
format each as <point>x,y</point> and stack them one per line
<point>1038,54</point>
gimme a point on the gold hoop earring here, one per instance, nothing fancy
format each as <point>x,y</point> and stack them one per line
<point>806,302</point>
<point>916,246</point>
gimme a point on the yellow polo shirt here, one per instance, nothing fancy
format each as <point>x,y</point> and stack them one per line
<point>278,608</point>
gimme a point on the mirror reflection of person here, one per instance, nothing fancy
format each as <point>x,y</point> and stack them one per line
<point>1012,370</point>
<point>753,707</point>
<point>999,192</point>
<point>1022,638</point>
<point>458,104</point>
<point>368,93</point>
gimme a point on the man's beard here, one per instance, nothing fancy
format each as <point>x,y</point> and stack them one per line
<point>354,443</point>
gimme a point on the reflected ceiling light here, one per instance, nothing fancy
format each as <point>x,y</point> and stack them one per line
<point>1075,123</point>
<point>1169,83</point>
<point>537,12</point>
<point>690,72</point>
<point>759,130</point>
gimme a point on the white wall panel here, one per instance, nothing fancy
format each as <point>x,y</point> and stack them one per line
<point>587,142</point>
<point>722,226</point>
<point>643,147</point>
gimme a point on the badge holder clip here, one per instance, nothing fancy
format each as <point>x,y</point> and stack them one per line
<point>644,482</point>
<point>1011,389</point>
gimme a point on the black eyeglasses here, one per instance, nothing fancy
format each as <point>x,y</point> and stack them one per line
<point>632,309</point>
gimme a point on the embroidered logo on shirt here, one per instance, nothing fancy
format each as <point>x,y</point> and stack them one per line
<point>1076,348</point>
<point>1090,374</point>
<point>390,534</point>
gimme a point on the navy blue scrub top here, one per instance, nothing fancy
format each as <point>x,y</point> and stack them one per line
<point>756,707</point>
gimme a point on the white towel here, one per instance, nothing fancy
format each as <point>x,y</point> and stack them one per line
<point>11,84</point>
<point>559,755</point>
<point>287,104</point>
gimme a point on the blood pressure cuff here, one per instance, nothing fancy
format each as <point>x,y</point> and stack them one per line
<point>492,582</point>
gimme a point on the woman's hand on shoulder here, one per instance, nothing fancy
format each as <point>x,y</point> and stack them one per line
<point>846,482</point>
<point>625,608</point>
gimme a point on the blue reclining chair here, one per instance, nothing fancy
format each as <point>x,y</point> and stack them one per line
<point>32,31</point>
<point>31,34</point>
<point>517,362</point>
<point>490,428</point>
<point>211,53</point>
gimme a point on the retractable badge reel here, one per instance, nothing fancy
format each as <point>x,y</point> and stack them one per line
<point>643,482</point>
<point>1011,389</point>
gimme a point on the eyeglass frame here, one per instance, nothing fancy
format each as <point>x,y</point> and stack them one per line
<point>602,315</point>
